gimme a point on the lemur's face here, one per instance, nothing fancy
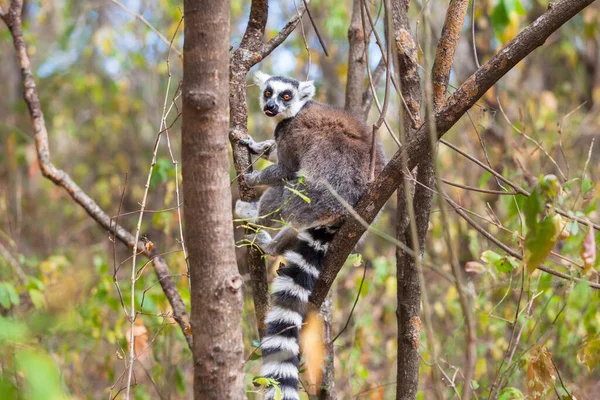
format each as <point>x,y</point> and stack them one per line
<point>281,96</point>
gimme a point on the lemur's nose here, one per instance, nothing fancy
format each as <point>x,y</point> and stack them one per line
<point>271,109</point>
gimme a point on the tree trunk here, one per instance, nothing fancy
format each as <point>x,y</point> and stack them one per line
<point>216,286</point>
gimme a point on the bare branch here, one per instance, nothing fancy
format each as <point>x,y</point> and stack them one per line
<point>62,179</point>
<point>444,57</point>
<point>272,44</point>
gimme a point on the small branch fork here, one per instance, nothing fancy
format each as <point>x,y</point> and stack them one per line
<point>12,19</point>
<point>419,146</point>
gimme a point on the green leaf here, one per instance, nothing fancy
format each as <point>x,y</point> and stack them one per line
<point>490,257</point>
<point>586,185</point>
<point>34,283</point>
<point>484,178</point>
<point>540,241</point>
<point>180,380</point>
<point>12,331</point>
<point>8,295</point>
<point>37,298</point>
<point>511,393</point>
<point>161,171</point>
<point>42,378</point>
<point>533,205</point>
<point>514,6</point>
<point>589,353</point>
<point>499,17</point>
<point>255,356</point>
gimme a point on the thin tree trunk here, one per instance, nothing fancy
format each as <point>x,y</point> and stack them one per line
<point>328,381</point>
<point>356,62</point>
<point>216,286</point>
<point>409,288</point>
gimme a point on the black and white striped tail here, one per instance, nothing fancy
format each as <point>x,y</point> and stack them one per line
<point>291,290</point>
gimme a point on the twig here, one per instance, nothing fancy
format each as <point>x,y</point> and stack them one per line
<point>321,41</point>
<point>532,140</point>
<point>306,46</point>
<point>388,76</point>
<point>476,189</point>
<point>138,228</point>
<point>355,303</point>
<point>149,25</point>
<point>16,265</point>
<point>474,43</point>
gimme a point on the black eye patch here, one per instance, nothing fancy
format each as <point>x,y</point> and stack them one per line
<point>268,92</point>
<point>286,95</point>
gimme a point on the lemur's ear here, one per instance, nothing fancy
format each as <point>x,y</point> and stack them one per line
<point>260,78</point>
<point>307,90</point>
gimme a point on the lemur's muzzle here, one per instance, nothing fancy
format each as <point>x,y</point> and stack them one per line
<point>271,109</point>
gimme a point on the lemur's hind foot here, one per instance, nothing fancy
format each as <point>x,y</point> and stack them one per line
<point>284,240</point>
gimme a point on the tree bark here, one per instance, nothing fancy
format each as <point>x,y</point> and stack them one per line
<point>216,286</point>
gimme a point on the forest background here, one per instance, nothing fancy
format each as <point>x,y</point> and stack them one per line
<point>103,77</point>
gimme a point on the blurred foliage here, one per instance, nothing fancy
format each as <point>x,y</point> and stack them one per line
<point>102,78</point>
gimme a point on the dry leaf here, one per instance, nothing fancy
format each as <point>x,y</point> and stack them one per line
<point>588,250</point>
<point>313,348</point>
<point>140,334</point>
<point>475,267</point>
<point>540,372</point>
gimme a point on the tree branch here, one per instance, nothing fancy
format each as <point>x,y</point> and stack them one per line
<point>457,105</point>
<point>40,133</point>
<point>446,47</point>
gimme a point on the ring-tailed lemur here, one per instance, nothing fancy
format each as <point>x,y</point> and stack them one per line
<point>321,144</point>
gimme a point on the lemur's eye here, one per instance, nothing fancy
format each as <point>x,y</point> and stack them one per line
<point>267,94</point>
<point>286,97</point>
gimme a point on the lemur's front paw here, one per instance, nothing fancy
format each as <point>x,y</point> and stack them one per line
<point>251,179</point>
<point>246,141</point>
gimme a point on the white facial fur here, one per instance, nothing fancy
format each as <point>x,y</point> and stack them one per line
<point>286,109</point>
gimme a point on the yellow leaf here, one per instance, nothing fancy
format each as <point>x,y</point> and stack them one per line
<point>480,368</point>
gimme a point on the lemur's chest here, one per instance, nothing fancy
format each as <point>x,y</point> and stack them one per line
<point>292,144</point>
